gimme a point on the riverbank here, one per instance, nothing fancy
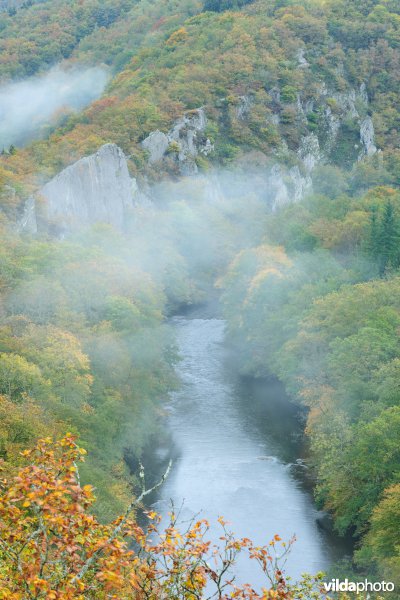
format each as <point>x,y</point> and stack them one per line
<point>239,451</point>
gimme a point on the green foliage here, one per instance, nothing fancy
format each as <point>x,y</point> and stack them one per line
<point>347,145</point>
<point>329,181</point>
<point>19,378</point>
<point>314,320</point>
<point>80,357</point>
<point>301,300</point>
<point>288,94</point>
<point>383,240</point>
<point>221,5</point>
<point>382,540</point>
<point>33,37</point>
<point>167,58</point>
<point>387,242</point>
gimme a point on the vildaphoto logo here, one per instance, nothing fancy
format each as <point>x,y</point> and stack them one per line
<point>335,585</point>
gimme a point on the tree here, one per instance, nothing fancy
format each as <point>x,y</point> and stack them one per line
<point>20,425</point>
<point>59,355</point>
<point>382,540</point>
<point>53,548</point>
<point>388,240</point>
<point>18,377</point>
<point>221,5</point>
<point>370,465</point>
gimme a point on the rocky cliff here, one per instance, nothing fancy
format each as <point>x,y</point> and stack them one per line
<point>332,127</point>
<point>184,142</point>
<point>96,189</point>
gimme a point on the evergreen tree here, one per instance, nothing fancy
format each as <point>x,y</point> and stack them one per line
<point>221,5</point>
<point>388,240</point>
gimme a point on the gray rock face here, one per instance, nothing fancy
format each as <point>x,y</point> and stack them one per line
<point>28,223</point>
<point>156,144</point>
<point>347,102</point>
<point>277,187</point>
<point>188,133</point>
<point>188,139</point>
<point>363,93</point>
<point>300,184</point>
<point>333,126</point>
<point>290,185</point>
<point>283,184</point>
<point>309,152</point>
<point>367,137</point>
<point>95,189</point>
<point>301,59</point>
<point>286,186</point>
<point>273,118</point>
<point>243,108</point>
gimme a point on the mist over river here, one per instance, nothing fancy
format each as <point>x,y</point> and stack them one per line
<point>236,443</point>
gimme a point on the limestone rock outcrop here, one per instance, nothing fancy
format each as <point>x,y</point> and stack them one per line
<point>156,145</point>
<point>185,140</point>
<point>95,189</point>
<point>28,222</point>
<point>367,137</point>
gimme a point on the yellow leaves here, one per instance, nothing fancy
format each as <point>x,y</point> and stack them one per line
<point>347,233</point>
<point>87,409</point>
<point>59,523</point>
<point>177,37</point>
<point>80,539</point>
<point>263,275</point>
<point>40,584</point>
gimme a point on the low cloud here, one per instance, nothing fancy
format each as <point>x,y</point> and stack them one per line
<point>27,106</point>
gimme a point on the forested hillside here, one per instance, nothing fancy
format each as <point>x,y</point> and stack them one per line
<point>286,112</point>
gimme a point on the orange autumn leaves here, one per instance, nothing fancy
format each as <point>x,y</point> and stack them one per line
<point>53,548</point>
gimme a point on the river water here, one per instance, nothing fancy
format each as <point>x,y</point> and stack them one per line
<point>238,447</point>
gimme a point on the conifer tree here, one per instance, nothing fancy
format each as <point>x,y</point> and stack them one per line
<point>388,240</point>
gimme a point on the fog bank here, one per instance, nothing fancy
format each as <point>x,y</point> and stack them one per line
<point>27,106</point>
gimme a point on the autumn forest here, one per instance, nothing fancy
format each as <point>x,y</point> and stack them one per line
<point>186,185</point>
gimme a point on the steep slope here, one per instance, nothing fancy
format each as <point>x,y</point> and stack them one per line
<point>290,88</point>
<point>42,33</point>
<point>301,97</point>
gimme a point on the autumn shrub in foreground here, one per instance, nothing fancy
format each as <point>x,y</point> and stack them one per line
<point>52,547</point>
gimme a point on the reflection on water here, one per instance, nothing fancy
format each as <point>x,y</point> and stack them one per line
<point>236,445</point>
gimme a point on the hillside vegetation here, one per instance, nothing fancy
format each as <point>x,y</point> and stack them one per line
<point>312,298</point>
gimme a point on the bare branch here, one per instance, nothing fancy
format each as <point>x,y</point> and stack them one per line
<point>136,502</point>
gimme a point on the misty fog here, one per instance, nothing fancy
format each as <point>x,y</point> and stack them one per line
<point>27,106</point>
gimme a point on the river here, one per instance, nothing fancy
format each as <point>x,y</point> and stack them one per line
<point>238,448</point>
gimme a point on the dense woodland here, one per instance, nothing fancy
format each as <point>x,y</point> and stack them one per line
<point>312,296</point>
